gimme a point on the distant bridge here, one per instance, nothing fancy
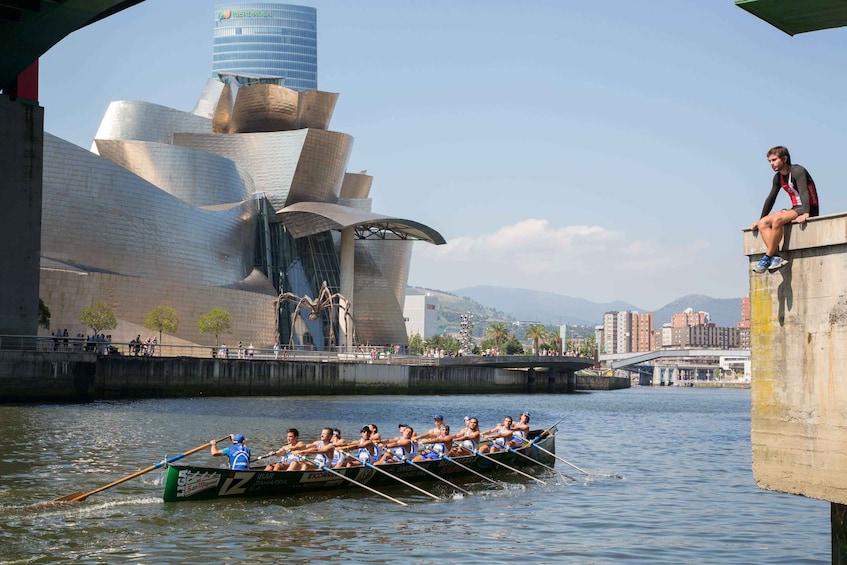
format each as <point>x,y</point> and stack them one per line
<point>624,360</point>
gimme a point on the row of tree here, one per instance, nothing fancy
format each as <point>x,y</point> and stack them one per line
<point>498,336</point>
<point>162,319</point>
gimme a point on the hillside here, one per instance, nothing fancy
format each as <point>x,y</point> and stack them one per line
<point>488,303</point>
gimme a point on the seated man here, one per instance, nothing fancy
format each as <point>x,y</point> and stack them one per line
<point>437,429</point>
<point>467,440</point>
<point>239,454</point>
<point>293,438</point>
<point>364,449</point>
<point>322,449</point>
<point>401,448</point>
<point>501,434</point>
<point>441,443</point>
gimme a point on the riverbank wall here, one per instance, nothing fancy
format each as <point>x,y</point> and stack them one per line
<point>42,376</point>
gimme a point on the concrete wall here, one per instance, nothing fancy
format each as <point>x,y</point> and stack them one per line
<point>799,362</point>
<point>180,377</point>
<point>29,376</point>
<point>21,163</point>
<point>61,376</point>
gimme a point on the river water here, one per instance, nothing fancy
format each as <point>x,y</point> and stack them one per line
<point>670,482</point>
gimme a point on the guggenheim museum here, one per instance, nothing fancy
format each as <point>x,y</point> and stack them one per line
<point>230,206</point>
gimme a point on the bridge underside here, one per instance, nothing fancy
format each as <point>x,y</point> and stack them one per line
<point>28,29</point>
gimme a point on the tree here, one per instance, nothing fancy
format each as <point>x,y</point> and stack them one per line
<point>216,321</point>
<point>416,344</point>
<point>513,346</point>
<point>498,332</point>
<point>162,319</point>
<point>98,317</point>
<point>535,332</point>
<point>43,315</point>
<point>444,342</point>
<point>589,347</point>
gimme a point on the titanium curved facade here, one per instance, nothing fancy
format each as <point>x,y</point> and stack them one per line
<point>263,39</point>
<point>164,211</point>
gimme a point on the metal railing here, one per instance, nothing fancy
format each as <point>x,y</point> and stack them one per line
<point>70,345</point>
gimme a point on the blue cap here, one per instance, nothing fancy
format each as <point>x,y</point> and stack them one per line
<point>525,414</point>
<point>438,417</point>
<point>238,438</point>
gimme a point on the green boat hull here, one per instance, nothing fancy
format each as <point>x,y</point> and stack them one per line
<point>184,483</point>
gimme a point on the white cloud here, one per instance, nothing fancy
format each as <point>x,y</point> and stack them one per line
<point>591,262</point>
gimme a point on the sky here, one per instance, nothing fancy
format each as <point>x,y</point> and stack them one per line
<point>607,150</point>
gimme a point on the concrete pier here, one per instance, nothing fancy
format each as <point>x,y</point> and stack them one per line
<point>799,367</point>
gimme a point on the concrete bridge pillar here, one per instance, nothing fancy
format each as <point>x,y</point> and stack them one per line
<point>798,342</point>
<point>21,163</point>
<point>530,380</point>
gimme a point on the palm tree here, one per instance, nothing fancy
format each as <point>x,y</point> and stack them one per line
<point>499,332</point>
<point>535,332</point>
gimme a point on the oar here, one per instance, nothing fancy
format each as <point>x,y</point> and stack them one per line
<point>77,496</point>
<point>364,486</point>
<point>265,456</point>
<point>483,455</point>
<point>375,468</point>
<point>542,434</point>
<point>533,444</point>
<point>466,468</point>
<point>440,478</point>
<point>516,452</point>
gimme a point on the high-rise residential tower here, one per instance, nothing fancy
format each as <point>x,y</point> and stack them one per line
<point>265,40</point>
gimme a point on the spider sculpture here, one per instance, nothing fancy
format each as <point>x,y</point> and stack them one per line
<point>325,302</point>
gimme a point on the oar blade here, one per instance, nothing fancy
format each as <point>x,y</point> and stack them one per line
<point>73,497</point>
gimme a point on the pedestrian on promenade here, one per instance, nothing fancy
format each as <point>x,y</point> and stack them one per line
<point>798,183</point>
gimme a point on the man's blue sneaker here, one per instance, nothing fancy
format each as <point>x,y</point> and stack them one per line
<point>776,263</point>
<point>763,264</point>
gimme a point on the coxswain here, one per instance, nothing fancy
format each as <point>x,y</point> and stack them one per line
<point>238,453</point>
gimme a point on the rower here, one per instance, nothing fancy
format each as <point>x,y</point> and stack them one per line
<point>375,435</point>
<point>238,454</point>
<point>322,450</point>
<point>293,438</point>
<point>366,451</point>
<point>442,444</point>
<point>521,431</point>
<point>436,431</point>
<point>468,439</point>
<point>401,448</point>
<point>501,434</point>
<point>339,459</point>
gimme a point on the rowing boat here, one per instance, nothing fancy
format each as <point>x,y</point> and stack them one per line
<point>188,482</point>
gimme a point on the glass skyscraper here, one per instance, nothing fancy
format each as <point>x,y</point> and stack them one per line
<point>265,40</point>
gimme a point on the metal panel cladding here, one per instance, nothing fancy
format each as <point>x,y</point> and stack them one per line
<point>269,40</point>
